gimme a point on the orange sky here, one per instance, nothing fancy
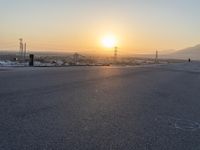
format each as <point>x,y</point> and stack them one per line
<point>139,26</point>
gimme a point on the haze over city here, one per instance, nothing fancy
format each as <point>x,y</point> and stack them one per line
<point>135,26</point>
<point>99,75</point>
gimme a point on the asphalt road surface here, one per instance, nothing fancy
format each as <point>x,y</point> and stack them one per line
<point>100,108</point>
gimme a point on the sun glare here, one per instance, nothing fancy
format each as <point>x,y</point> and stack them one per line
<point>109,41</point>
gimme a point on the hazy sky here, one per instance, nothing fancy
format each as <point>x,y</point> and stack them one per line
<point>140,26</point>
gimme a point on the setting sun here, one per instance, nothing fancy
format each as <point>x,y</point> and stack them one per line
<point>109,41</point>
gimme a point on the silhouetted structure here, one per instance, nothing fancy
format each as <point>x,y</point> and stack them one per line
<point>115,53</point>
<point>31,61</point>
<point>24,51</point>
<point>156,59</point>
<point>21,47</point>
<point>75,58</point>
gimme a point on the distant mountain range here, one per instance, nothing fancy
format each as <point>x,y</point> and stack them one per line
<point>190,52</point>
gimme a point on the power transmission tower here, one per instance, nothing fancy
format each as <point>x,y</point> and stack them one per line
<point>76,57</point>
<point>21,47</point>
<point>24,51</point>
<point>115,53</point>
<point>156,59</point>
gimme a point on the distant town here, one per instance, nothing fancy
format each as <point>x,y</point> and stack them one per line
<point>41,59</point>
